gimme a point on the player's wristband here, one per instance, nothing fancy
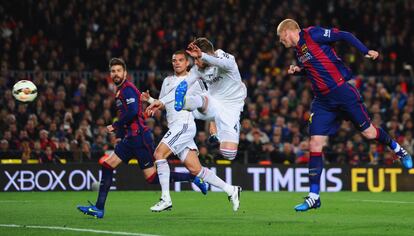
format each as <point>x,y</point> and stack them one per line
<point>151,100</point>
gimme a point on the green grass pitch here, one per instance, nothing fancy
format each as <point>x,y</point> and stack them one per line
<point>261,213</point>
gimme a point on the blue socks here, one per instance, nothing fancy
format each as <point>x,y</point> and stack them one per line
<point>384,138</point>
<point>106,182</point>
<point>174,177</point>
<point>181,177</point>
<point>315,171</point>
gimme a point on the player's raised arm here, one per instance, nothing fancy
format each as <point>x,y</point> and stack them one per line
<point>158,104</point>
<point>323,35</point>
<point>132,102</point>
<point>224,60</point>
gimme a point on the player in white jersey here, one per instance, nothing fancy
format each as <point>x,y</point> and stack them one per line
<point>225,97</point>
<point>180,138</point>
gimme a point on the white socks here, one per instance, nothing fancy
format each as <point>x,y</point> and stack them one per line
<point>193,102</point>
<point>314,196</point>
<point>397,147</point>
<point>163,170</point>
<point>209,177</point>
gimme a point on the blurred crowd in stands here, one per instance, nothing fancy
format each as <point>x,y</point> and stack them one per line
<point>64,48</point>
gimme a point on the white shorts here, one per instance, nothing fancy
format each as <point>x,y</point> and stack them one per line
<point>227,118</point>
<point>180,139</point>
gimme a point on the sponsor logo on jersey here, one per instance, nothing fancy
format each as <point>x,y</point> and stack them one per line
<point>130,100</point>
<point>212,81</point>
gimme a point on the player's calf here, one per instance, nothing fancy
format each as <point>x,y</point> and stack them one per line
<point>382,137</point>
<point>229,154</point>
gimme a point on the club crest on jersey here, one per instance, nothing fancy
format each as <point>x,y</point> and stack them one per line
<point>306,56</point>
<point>304,49</point>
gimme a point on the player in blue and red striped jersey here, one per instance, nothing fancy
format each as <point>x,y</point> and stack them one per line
<point>136,141</point>
<point>334,97</point>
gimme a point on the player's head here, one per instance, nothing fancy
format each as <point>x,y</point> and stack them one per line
<point>288,32</point>
<point>180,62</point>
<point>117,68</point>
<point>206,46</point>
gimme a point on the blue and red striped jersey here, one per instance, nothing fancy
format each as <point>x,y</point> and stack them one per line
<point>130,116</point>
<point>316,55</point>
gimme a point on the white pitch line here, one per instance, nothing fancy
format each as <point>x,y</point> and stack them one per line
<point>74,229</point>
<point>381,201</point>
<point>14,201</point>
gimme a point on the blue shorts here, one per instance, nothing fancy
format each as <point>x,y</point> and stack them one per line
<point>140,147</point>
<point>327,112</point>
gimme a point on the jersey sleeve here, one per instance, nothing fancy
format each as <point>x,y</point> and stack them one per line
<point>163,91</point>
<point>132,102</point>
<point>222,60</point>
<point>120,132</point>
<point>323,35</point>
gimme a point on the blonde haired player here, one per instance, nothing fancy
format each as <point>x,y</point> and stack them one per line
<point>334,100</point>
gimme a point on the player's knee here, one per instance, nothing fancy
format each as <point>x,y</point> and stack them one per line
<point>103,163</point>
<point>229,154</point>
<point>159,156</point>
<point>316,145</point>
<point>194,170</point>
<point>152,179</point>
<point>370,133</point>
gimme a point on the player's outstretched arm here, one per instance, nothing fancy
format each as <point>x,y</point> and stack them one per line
<point>154,107</point>
<point>323,35</point>
<point>372,54</point>
<point>294,69</point>
<point>145,97</point>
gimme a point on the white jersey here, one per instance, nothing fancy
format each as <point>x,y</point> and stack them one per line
<point>223,78</point>
<point>169,85</point>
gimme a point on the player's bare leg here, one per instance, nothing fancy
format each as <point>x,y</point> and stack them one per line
<point>315,170</point>
<point>165,177</point>
<point>229,149</point>
<point>192,163</point>
<point>381,136</point>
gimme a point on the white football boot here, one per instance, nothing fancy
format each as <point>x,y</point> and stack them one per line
<point>162,205</point>
<point>234,198</point>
